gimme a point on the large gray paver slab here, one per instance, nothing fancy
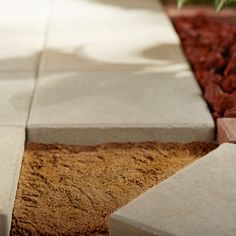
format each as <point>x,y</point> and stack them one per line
<point>24,15</point>
<point>20,51</point>
<point>110,81</point>
<point>16,91</point>
<point>95,107</point>
<point>199,200</point>
<point>11,152</point>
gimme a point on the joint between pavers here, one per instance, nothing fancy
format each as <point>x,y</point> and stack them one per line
<point>39,59</point>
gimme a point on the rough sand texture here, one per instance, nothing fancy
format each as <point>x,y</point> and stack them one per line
<point>72,190</point>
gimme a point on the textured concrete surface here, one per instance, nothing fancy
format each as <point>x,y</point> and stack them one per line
<point>198,200</point>
<point>16,92</point>
<point>112,72</point>
<point>19,51</point>
<point>96,107</point>
<point>23,26</point>
<point>146,48</point>
<point>12,147</point>
<point>226,130</point>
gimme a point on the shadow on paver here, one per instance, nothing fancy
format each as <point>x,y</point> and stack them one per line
<point>157,55</point>
<point>165,52</point>
<point>13,65</point>
<point>69,81</point>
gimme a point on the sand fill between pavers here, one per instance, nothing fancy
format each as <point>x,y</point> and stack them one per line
<point>72,190</point>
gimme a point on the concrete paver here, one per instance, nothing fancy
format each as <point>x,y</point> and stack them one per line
<point>20,51</point>
<point>12,147</point>
<point>199,200</point>
<point>16,93</point>
<point>102,82</point>
<point>95,107</point>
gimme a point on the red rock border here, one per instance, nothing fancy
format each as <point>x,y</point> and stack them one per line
<point>214,61</point>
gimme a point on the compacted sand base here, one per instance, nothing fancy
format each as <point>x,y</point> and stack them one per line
<point>72,190</point>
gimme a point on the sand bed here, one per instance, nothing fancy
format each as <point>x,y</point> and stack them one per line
<point>72,190</point>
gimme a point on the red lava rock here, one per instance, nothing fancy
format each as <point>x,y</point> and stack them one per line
<point>233,49</point>
<point>231,67</point>
<point>216,115</point>
<point>225,102</point>
<point>226,40</point>
<point>229,84</point>
<point>204,77</point>
<point>230,112</point>
<point>210,47</point>
<point>212,60</point>
<point>234,94</point>
<point>213,93</point>
<point>197,57</point>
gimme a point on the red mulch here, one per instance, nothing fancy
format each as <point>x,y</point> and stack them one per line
<point>210,47</point>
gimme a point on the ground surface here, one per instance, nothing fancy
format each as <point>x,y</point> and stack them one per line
<point>74,189</point>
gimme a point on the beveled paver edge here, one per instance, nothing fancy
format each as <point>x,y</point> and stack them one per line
<point>97,135</point>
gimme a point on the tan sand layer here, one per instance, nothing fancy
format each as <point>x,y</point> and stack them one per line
<point>72,190</point>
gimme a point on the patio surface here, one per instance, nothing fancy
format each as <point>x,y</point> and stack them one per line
<point>92,71</point>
